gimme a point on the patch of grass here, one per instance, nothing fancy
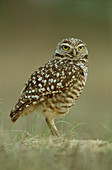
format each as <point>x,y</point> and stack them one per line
<point>20,149</point>
<point>71,133</point>
<point>53,153</point>
<point>108,132</point>
<point>30,129</point>
<point>46,131</point>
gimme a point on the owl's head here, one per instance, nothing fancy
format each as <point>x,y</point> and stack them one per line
<point>71,48</point>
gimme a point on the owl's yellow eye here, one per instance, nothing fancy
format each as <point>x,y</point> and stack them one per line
<point>65,47</point>
<point>80,48</point>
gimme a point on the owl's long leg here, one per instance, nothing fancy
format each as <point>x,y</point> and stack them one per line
<point>52,127</point>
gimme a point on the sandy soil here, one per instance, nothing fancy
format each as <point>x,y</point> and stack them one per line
<point>54,153</point>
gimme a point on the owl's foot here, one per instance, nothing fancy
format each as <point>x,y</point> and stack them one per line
<point>52,127</point>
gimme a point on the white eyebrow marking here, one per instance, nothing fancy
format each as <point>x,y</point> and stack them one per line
<point>80,45</point>
<point>66,44</point>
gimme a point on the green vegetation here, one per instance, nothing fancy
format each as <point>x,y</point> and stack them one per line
<point>20,149</point>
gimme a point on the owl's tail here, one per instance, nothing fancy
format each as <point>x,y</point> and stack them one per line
<point>16,111</point>
<point>20,109</point>
<point>14,115</point>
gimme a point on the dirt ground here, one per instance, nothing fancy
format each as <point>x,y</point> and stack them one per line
<point>40,153</point>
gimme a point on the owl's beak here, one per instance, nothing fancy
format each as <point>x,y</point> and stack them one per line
<point>74,52</point>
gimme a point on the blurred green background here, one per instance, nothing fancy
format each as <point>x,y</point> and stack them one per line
<point>29,33</point>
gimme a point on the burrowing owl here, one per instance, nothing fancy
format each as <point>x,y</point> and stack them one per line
<point>53,88</point>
